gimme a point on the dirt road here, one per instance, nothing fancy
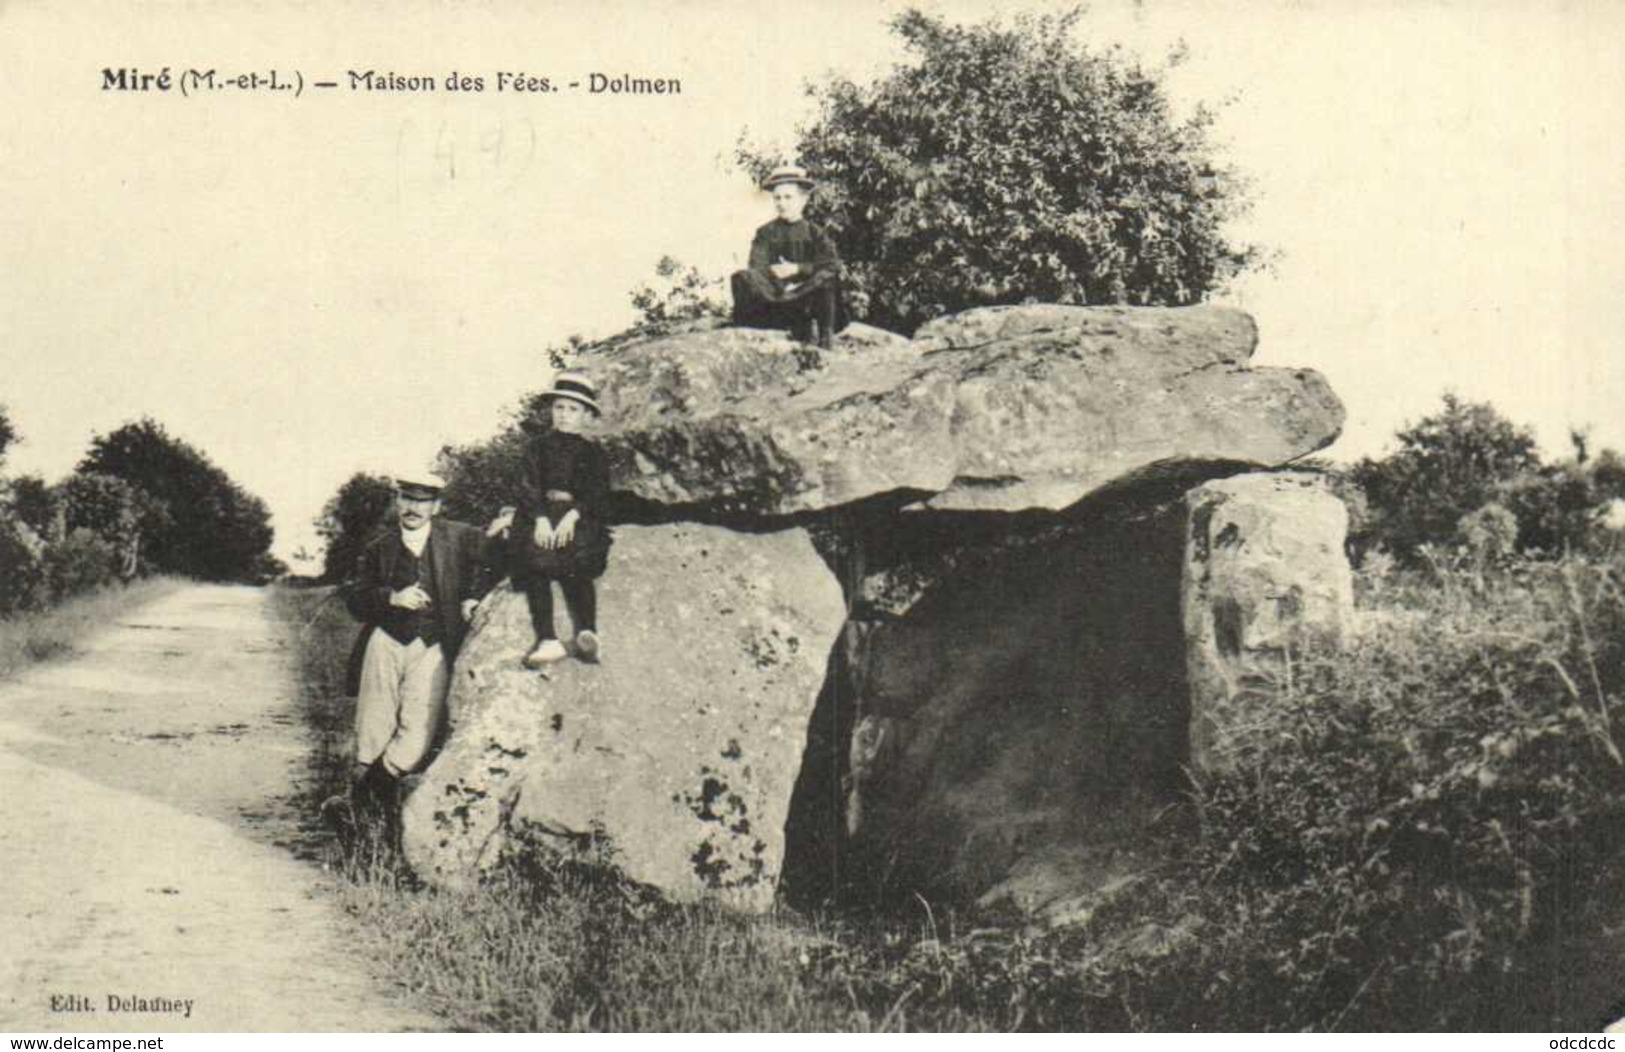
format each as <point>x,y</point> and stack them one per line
<point>156,874</point>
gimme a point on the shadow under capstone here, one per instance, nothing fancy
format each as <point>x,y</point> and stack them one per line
<point>1009,690</point>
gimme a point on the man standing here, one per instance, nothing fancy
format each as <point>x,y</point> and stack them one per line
<point>416,591</point>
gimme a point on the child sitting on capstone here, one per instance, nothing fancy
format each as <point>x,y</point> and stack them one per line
<point>557,529</point>
<point>794,278</point>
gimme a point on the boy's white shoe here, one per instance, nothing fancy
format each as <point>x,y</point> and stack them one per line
<point>545,653</point>
<point>587,646</point>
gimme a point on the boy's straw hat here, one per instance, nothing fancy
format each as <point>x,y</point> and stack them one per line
<point>789,173</point>
<point>576,387</point>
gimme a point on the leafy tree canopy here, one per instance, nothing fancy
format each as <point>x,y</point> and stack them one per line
<point>118,512</point>
<point>214,529</point>
<point>483,477</point>
<point>1008,163</point>
<point>1447,465</point>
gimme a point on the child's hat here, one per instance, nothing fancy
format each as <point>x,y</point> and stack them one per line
<point>789,173</point>
<point>577,388</point>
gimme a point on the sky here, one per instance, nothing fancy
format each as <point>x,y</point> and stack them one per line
<point>304,287</point>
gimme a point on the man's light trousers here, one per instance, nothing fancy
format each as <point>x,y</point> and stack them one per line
<point>402,703</point>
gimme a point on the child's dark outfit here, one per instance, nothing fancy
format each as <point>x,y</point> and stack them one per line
<point>809,301</point>
<point>562,472</point>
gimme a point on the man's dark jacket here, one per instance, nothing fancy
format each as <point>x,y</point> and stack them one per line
<point>459,557</point>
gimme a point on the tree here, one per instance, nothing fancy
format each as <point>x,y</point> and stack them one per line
<point>679,293</point>
<point>80,561</point>
<point>349,520</point>
<point>1489,534</point>
<point>1009,163</point>
<point>24,584</point>
<point>31,502</point>
<point>483,477</point>
<point>1466,469</point>
<point>113,510</point>
<point>8,432</point>
<point>1447,466</point>
<point>214,530</point>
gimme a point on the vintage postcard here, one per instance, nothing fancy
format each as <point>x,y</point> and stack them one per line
<point>714,515</point>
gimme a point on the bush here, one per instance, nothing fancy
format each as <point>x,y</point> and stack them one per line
<point>8,432</point>
<point>80,562</point>
<point>350,519</point>
<point>1447,465</point>
<point>1418,827</point>
<point>1561,507</point>
<point>194,519</point>
<point>680,293</point>
<point>32,502</point>
<point>1489,534</point>
<point>23,581</point>
<point>483,477</point>
<point>1424,830</point>
<point>1466,456</point>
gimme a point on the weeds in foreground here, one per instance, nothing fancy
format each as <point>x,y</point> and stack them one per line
<point>1422,830</point>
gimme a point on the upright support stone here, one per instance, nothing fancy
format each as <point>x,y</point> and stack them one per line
<point>673,759</point>
<point>1265,574</point>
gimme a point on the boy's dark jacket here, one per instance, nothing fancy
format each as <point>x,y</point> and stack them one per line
<point>460,558</point>
<point>802,243</point>
<point>556,462</point>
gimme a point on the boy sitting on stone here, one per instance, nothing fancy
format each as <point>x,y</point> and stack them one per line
<point>794,278</point>
<point>557,530</point>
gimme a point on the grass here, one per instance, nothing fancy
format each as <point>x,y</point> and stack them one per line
<point>576,949</point>
<point>1424,830</point>
<point>45,635</point>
